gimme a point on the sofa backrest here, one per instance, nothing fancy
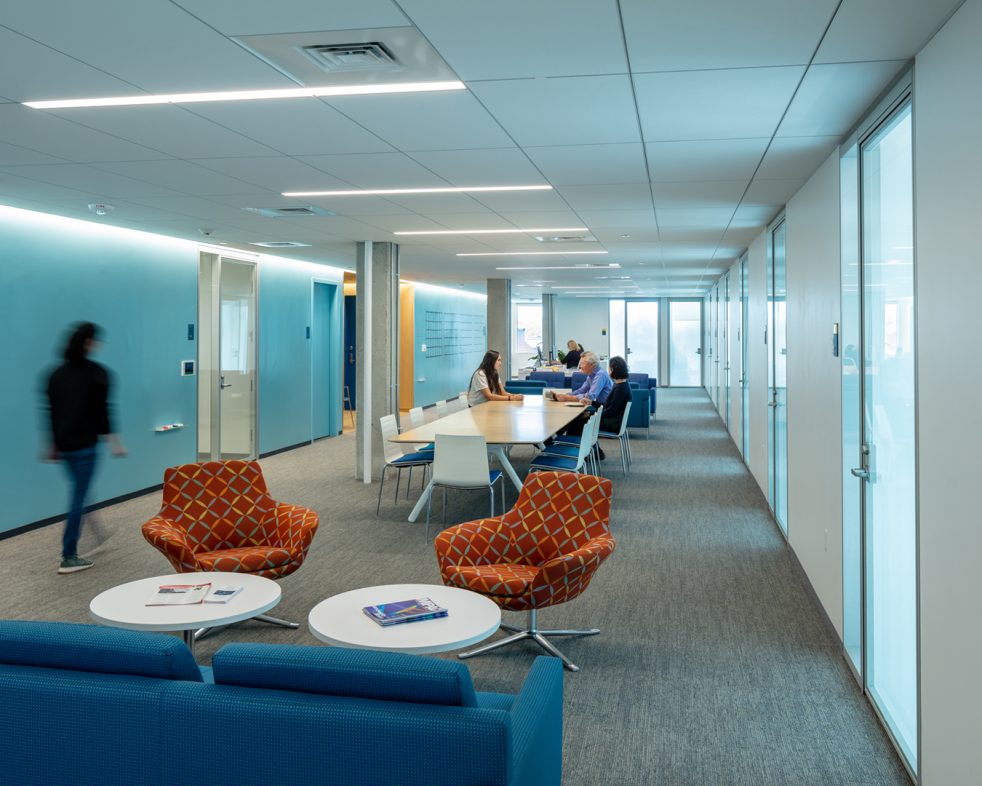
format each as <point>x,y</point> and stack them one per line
<point>553,379</point>
<point>640,413</point>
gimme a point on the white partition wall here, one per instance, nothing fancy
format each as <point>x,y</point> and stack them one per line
<point>814,390</point>
<point>948,196</point>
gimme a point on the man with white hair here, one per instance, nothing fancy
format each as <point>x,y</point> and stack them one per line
<point>597,386</point>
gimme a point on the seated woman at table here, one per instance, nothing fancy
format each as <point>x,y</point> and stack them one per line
<point>485,383</point>
<point>614,404</point>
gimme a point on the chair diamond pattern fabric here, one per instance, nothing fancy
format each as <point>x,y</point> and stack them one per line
<point>219,516</point>
<point>542,552</point>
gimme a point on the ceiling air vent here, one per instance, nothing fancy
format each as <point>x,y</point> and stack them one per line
<point>279,244</point>
<point>565,238</point>
<point>290,212</point>
<point>366,56</point>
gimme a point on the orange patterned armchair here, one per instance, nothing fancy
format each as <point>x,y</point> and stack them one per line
<point>542,552</point>
<point>218,516</point>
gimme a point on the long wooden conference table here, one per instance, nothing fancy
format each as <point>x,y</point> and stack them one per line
<point>502,423</point>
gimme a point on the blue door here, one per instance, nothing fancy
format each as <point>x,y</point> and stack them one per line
<point>349,348</point>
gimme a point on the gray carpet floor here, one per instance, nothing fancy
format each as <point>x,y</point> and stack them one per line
<point>715,665</point>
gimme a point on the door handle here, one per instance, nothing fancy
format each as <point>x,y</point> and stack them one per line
<point>223,384</point>
<point>862,474</point>
<point>772,404</point>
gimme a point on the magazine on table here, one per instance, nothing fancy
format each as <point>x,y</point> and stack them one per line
<point>179,594</point>
<point>413,610</point>
<point>223,593</point>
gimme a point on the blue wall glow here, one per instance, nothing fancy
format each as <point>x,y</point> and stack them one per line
<point>442,376</point>
<point>143,290</point>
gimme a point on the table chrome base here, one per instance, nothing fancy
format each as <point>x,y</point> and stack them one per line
<point>200,633</point>
<point>533,632</point>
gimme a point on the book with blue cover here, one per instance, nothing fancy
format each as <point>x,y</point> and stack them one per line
<point>414,610</point>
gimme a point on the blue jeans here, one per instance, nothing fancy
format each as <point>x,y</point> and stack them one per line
<point>81,467</point>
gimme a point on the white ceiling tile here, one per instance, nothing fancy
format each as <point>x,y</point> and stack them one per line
<point>708,237</point>
<point>574,111</point>
<point>740,237</point>
<point>274,173</point>
<point>182,177</point>
<point>723,193</point>
<point>247,17</point>
<point>157,47</point>
<point>754,216</point>
<point>732,104</point>
<point>30,71</point>
<point>47,133</point>
<point>85,178</point>
<point>620,197</point>
<point>425,121</point>
<point>353,206</point>
<point>549,218</point>
<point>858,31</point>
<point>772,192</point>
<point>376,170</point>
<point>674,253</point>
<point>295,127</point>
<point>14,155</point>
<point>575,165</point>
<point>796,156</point>
<point>531,201</point>
<point>13,186</point>
<point>206,210</point>
<point>454,221</point>
<point>667,35</point>
<point>696,218</point>
<point>170,129</point>
<point>509,39</point>
<point>833,97</point>
<point>715,159</point>
<point>625,220</point>
<point>435,204</point>
<point>493,167</point>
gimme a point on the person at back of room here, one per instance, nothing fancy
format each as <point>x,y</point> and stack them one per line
<point>486,384</point>
<point>573,353</point>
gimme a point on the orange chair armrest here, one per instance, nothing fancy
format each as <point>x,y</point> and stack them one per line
<point>295,525</point>
<point>165,536</point>
<point>584,560</point>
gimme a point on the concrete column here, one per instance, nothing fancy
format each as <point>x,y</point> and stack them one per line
<point>499,321</point>
<point>377,353</point>
<point>549,326</point>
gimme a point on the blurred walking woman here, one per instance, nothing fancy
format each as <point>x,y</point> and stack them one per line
<point>78,402</point>
<point>485,383</point>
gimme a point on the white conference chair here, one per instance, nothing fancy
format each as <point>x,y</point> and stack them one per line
<point>442,410</point>
<point>622,437</point>
<point>461,462</point>
<point>571,458</point>
<point>462,400</point>
<point>417,419</point>
<point>394,457</point>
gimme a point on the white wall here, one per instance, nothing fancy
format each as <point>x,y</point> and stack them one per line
<point>948,270</point>
<point>583,319</point>
<point>757,357</point>
<point>814,386</point>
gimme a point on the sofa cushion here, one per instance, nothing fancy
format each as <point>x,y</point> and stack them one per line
<point>93,648</point>
<point>338,671</point>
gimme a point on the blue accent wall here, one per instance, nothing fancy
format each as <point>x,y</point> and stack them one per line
<point>444,374</point>
<point>143,290</point>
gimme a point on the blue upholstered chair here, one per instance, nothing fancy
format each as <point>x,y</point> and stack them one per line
<point>576,379</point>
<point>528,387</point>
<point>640,416</point>
<point>553,379</point>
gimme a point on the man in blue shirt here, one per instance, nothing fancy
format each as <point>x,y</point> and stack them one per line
<point>597,386</point>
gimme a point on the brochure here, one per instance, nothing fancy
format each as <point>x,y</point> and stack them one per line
<point>414,610</point>
<point>179,594</point>
<point>223,593</point>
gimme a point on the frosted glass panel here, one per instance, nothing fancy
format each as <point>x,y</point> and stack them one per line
<point>777,351</point>
<point>618,339</point>
<point>888,383</point>
<point>685,341</point>
<point>642,337</point>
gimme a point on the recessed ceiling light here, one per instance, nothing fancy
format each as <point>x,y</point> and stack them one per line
<point>490,231</point>
<point>249,95</point>
<point>389,191</point>
<point>625,237</point>
<point>101,208</point>
<point>527,253</point>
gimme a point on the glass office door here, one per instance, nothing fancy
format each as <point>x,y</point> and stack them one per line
<point>887,461</point>
<point>744,372</point>
<point>641,336</point>
<point>777,351</point>
<point>226,358</point>
<point>725,347</point>
<point>685,343</point>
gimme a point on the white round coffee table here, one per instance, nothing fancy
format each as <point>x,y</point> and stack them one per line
<point>126,606</point>
<point>339,620</point>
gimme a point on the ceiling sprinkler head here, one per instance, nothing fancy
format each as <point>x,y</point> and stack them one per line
<point>101,208</point>
<point>206,232</point>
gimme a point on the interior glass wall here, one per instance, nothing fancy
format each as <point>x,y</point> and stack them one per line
<point>685,342</point>
<point>526,336</point>
<point>888,456</point>
<point>641,331</point>
<point>744,371</point>
<point>777,351</point>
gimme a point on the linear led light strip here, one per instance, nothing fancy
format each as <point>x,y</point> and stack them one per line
<point>250,95</point>
<point>561,267</point>
<point>440,190</point>
<point>527,253</point>
<point>491,231</point>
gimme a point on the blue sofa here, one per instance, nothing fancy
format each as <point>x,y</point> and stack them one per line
<point>88,705</point>
<point>553,379</point>
<point>531,387</point>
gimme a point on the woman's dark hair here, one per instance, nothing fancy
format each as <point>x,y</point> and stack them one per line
<point>618,367</point>
<point>75,349</point>
<point>487,366</point>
